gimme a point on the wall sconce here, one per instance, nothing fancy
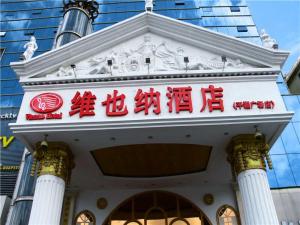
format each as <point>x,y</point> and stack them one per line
<point>186,61</point>
<point>73,66</point>
<point>258,135</point>
<point>224,60</point>
<point>148,61</point>
<point>44,143</point>
<point>109,63</point>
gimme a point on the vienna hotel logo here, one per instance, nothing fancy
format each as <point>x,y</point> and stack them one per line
<point>45,105</point>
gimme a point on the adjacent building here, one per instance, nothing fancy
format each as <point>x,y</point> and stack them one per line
<point>125,152</point>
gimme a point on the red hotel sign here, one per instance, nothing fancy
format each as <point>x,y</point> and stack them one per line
<point>146,101</point>
<point>46,103</point>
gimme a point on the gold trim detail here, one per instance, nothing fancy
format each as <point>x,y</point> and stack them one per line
<point>54,158</point>
<point>248,152</point>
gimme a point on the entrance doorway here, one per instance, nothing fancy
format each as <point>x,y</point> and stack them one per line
<point>157,208</point>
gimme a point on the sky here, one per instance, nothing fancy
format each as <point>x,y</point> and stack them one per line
<point>281,20</point>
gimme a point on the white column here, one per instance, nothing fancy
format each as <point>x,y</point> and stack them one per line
<point>257,199</point>
<point>47,200</point>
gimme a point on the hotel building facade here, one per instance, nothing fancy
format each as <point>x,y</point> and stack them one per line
<point>160,115</point>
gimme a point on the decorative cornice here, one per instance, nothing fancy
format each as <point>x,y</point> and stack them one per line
<point>159,79</point>
<point>19,129</point>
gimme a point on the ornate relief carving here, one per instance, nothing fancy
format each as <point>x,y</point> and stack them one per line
<point>63,72</point>
<point>55,159</point>
<point>247,152</point>
<point>164,55</point>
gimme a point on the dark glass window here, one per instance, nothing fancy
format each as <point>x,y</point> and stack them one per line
<point>235,9</point>
<point>36,12</point>
<point>179,3</point>
<point>1,52</point>
<point>242,28</point>
<point>29,32</point>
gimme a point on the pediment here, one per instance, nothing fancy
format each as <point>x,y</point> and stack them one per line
<point>164,55</point>
<point>149,45</point>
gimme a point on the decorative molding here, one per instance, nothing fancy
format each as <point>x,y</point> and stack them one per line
<point>55,158</point>
<point>20,129</point>
<point>247,152</point>
<point>189,78</point>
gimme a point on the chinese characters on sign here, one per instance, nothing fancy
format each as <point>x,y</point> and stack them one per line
<point>84,105</point>
<point>145,101</point>
<point>250,104</point>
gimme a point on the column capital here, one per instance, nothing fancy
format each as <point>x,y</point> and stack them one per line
<point>246,152</point>
<point>54,158</point>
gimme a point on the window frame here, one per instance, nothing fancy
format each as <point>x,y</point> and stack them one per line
<point>88,212</point>
<point>230,207</point>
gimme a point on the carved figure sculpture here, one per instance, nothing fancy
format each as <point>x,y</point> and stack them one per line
<point>149,5</point>
<point>31,47</point>
<point>268,42</point>
<point>165,59</point>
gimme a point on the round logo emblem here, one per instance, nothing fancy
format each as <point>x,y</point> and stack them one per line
<point>46,103</point>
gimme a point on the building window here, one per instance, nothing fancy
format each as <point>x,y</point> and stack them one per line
<point>242,29</point>
<point>226,215</point>
<point>2,34</point>
<point>235,9</point>
<point>37,12</point>
<point>179,3</point>
<point>1,52</point>
<point>85,218</point>
<point>207,9</point>
<point>29,32</point>
<point>157,208</point>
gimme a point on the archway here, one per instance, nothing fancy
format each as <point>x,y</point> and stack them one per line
<point>157,208</point>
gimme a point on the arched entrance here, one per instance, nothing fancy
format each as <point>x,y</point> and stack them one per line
<point>157,208</point>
